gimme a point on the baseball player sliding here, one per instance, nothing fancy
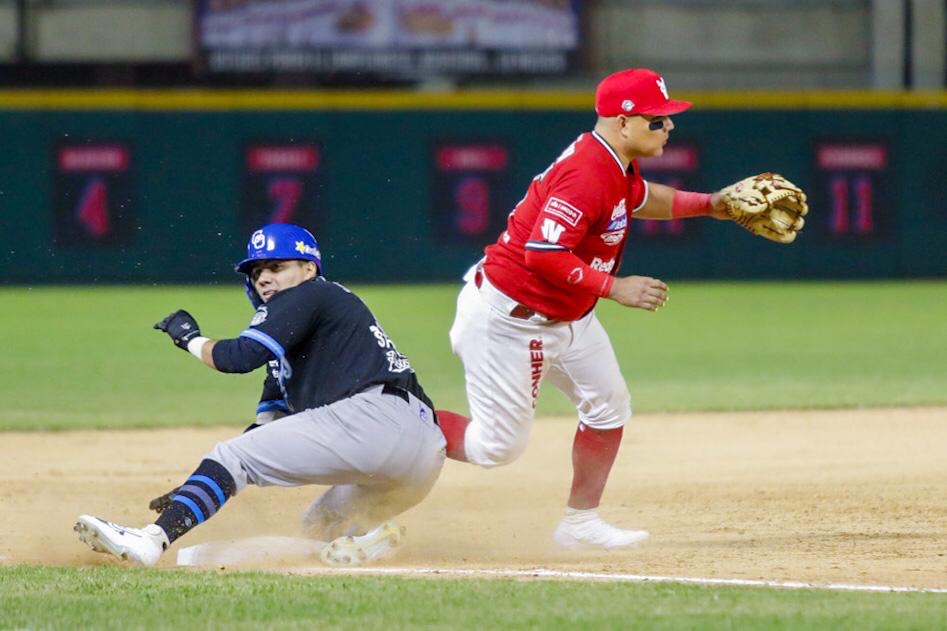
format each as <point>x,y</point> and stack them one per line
<point>526,313</point>
<point>351,413</point>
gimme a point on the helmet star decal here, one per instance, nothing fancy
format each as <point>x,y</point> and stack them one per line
<point>302,248</point>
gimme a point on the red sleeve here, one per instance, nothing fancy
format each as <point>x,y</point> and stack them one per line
<point>565,269</point>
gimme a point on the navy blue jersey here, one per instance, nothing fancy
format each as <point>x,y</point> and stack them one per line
<point>321,343</point>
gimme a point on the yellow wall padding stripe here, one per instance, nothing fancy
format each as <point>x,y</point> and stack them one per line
<point>224,100</point>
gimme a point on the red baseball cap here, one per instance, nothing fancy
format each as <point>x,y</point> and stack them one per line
<point>635,91</point>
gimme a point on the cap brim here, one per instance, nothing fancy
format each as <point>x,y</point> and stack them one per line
<point>666,109</point>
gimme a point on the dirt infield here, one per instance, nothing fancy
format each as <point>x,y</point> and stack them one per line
<point>852,497</point>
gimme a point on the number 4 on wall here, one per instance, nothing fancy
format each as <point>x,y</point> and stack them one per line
<point>852,211</point>
<point>92,211</point>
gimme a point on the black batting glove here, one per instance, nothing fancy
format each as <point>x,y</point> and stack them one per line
<point>181,327</point>
<point>163,502</point>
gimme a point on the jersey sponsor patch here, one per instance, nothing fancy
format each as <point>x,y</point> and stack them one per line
<point>618,224</point>
<point>613,238</point>
<point>602,266</point>
<point>564,210</point>
<point>552,230</point>
<point>619,220</point>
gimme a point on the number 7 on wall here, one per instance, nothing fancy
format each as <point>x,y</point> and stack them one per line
<point>285,192</point>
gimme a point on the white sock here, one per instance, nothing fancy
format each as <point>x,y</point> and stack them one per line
<point>580,515</point>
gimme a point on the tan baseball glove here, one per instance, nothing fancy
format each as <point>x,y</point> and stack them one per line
<point>768,205</point>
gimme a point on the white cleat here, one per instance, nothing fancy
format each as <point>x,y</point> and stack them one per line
<point>591,533</point>
<point>141,546</point>
<point>371,546</point>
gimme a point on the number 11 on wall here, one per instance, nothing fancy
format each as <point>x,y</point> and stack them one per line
<point>852,211</point>
<point>852,196</point>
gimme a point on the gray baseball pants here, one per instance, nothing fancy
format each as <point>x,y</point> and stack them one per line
<point>380,453</point>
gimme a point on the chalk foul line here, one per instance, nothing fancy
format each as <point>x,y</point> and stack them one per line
<point>544,573</point>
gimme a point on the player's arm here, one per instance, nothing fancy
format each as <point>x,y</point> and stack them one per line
<point>272,405</point>
<point>235,355</point>
<point>549,251</point>
<point>558,228</point>
<point>567,270</point>
<point>665,202</point>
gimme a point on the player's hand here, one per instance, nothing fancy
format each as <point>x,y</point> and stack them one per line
<point>163,502</point>
<point>181,327</point>
<point>719,208</point>
<point>641,292</point>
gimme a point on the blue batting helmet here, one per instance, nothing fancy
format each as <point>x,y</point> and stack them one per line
<point>278,241</point>
<point>282,241</point>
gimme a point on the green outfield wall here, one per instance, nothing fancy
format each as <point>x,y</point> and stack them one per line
<point>164,186</point>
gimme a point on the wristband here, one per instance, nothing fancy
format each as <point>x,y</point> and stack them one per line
<point>196,346</point>
<point>606,288</point>
<point>687,204</point>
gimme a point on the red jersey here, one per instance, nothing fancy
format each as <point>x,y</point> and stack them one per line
<point>580,204</point>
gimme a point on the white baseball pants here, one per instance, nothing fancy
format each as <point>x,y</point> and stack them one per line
<point>506,359</point>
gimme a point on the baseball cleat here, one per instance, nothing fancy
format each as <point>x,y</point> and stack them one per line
<point>376,544</point>
<point>141,546</point>
<point>594,533</point>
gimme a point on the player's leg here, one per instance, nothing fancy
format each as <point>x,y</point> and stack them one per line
<point>406,476</point>
<point>353,518</point>
<point>265,456</point>
<point>504,361</point>
<point>199,498</point>
<point>359,440</point>
<point>588,373</point>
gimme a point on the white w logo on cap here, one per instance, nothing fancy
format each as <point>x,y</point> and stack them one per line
<point>662,87</point>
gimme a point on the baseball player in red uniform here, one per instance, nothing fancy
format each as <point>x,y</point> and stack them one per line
<point>527,313</point>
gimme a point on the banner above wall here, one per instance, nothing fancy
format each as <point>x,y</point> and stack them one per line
<point>394,38</point>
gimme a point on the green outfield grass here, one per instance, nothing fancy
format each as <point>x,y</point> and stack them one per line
<point>117,598</point>
<point>80,357</point>
<point>86,357</point>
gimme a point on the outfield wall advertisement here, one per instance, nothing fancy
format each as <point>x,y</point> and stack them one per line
<point>388,37</point>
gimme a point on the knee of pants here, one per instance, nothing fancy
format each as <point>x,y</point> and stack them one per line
<point>224,453</point>
<point>614,413</point>
<point>489,453</point>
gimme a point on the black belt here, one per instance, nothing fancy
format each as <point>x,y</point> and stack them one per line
<point>520,312</point>
<point>401,393</point>
<point>395,391</point>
